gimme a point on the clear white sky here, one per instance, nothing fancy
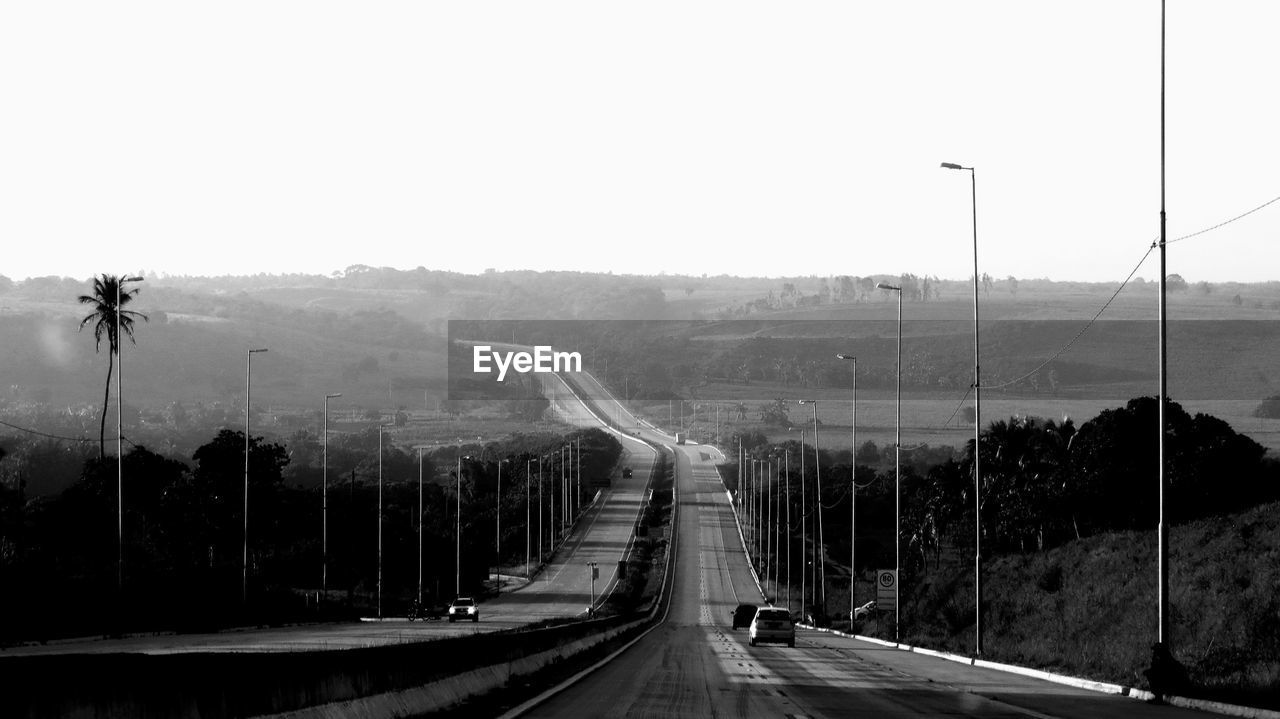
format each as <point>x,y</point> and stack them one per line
<point>762,138</point>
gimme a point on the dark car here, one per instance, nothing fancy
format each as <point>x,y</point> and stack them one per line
<point>743,615</point>
<point>626,473</point>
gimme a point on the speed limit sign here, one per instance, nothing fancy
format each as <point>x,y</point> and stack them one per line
<point>887,589</point>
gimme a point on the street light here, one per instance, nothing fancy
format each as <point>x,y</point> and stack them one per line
<point>787,503</point>
<point>420,448</point>
<point>977,424</point>
<point>540,554</point>
<point>820,553</point>
<point>528,478</point>
<point>769,564</point>
<point>380,428</point>
<point>775,510</point>
<point>853,488</point>
<point>804,531</point>
<point>324,504</point>
<point>120,439</point>
<point>551,510</point>
<point>457,533</point>
<point>1162,531</point>
<point>897,474</point>
<point>753,516</point>
<point>244,554</point>
<point>498,538</point>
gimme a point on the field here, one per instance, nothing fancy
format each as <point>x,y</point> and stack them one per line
<point>383,349</point>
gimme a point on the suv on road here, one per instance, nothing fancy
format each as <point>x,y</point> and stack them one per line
<point>464,608</point>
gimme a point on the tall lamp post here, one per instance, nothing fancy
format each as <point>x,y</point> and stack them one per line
<point>1162,531</point>
<point>897,476</point>
<point>120,439</point>
<point>771,566</point>
<point>420,448</point>
<point>804,531</point>
<point>528,544</point>
<point>977,425</point>
<point>777,522</point>
<point>787,504</point>
<point>324,503</point>
<point>497,514</point>
<point>819,549</point>
<point>244,550</point>
<point>752,515</point>
<point>540,554</point>
<point>380,428</point>
<point>853,488</point>
<point>457,534</point>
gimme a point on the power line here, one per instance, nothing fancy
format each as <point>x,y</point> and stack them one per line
<point>47,435</point>
<point>1153,246</point>
<point>1084,329</point>
<point>958,406</point>
<point>1222,224</point>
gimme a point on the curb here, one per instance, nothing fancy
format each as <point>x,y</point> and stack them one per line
<point>1234,710</point>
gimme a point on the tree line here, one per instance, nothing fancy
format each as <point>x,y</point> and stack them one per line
<point>184,529</point>
<point>1044,483</point>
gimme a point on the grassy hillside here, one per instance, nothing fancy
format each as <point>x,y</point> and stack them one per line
<point>1089,608</point>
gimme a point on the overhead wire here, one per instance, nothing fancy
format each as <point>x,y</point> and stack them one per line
<point>1066,347</point>
<point>1154,244</point>
<point>1084,329</point>
<point>38,433</point>
<point>47,435</point>
<point>1222,224</point>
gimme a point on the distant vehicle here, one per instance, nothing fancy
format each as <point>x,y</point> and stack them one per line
<point>864,611</point>
<point>679,437</point>
<point>743,615</point>
<point>626,473</point>
<point>464,608</point>
<point>773,624</point>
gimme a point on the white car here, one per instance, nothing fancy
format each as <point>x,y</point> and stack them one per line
<point>464,608</point>
<point>773,624</point>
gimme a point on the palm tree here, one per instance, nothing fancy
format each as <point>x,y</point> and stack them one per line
<point>107,315</point>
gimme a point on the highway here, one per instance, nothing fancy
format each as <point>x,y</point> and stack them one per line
<point>692,664</point>
<point>695,665</point>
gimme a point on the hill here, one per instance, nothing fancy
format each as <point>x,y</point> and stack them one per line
<point>1088,608</point>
